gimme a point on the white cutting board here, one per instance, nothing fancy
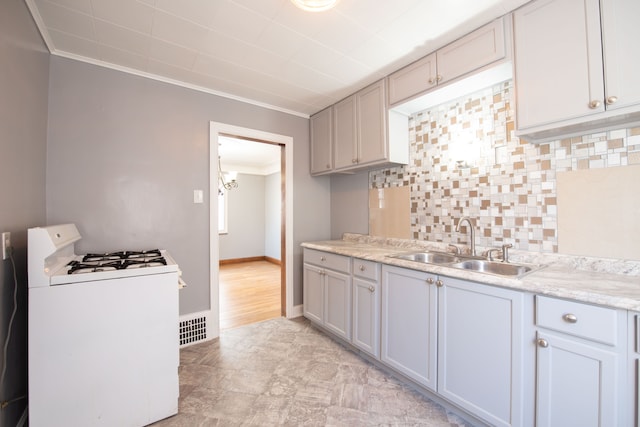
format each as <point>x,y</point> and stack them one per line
<point>599,212</point>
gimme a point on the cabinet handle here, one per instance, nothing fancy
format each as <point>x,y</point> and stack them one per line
<point>612,100</point>
<point>372,289</point>
<point>594,104</point>
<point>361,268</point>
<point>430,281</point>
<point>570,318</point>
<point>543,343</point>
<point>439,283</point>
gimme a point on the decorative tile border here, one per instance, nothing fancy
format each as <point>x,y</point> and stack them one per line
<point>466,161</point>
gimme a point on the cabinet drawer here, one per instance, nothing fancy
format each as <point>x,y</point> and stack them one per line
<point>582,320</point>
<point>366,269</point>
<point>328,260</point>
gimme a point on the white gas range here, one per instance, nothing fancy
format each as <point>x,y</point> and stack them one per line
<point>103,333</point>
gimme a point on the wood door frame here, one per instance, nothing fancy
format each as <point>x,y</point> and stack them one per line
<point>286,235</point>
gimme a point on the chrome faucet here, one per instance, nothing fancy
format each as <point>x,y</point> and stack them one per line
<point>471,232</point>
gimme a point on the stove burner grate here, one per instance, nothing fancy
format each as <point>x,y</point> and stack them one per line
<point>122,255</point>
<point>92,263</point>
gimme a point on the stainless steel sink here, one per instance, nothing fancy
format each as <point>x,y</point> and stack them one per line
<point>429,257</point>
<point>492,267</point>
<point>469,263</point>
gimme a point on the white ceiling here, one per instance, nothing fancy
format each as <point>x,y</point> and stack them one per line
<point>267,52</point>
<point>256,158</point>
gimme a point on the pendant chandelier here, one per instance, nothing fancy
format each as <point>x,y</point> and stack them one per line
<point>226,181</point>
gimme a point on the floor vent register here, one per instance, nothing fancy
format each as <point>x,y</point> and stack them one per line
<point>193,331</point>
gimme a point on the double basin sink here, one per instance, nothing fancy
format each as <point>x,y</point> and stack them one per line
<point>469,263</point>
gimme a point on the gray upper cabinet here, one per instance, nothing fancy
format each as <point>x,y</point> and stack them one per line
<point>576,66</point>
<point>413,80</point>
<point>360,130</point>
<point>480,48</point>
<point>358,133</point>
<point>321,142</point>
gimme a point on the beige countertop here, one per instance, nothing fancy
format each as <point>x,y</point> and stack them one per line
<point>612,283</point>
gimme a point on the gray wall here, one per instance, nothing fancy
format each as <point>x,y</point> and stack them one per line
<point>126,153</point>
<point>246,219</point>
<point>272,210</point>
<point>24,76</point>
<point>349,204</point>
<point>253,223</point>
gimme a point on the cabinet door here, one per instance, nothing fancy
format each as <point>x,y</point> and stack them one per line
<point>337,303</point>
<point>366,316</point>
<point>480,48</point>
<point>558,61</point>
<point>480,350</point>
<point>321,139</point>
<point>577,383</point>
<point>344,133</point>
<point>412,80</point>
<point>372,128</point>
<point>620,35</point>
<point>409,316</point>
<point>313,293</point>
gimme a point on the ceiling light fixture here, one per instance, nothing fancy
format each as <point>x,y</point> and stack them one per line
<point>315,5</point>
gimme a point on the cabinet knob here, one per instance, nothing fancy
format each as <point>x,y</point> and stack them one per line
<point>439,283</point>
<point>372,289</point>
<point>430,281</point>
<point>354,160</point>
<point>594,104</point>
<point>361,268</point>
<point>438,77</point>
<point>570,318</point>
<point>431,80</point>
<point>612,100</point>
<point>328,166</point>
<point>543,343</point>
<point>323,259</point>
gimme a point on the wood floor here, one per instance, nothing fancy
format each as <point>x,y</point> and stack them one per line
<point>249,293</point>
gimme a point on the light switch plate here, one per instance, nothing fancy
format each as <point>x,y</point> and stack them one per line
<point>198,196</point>
<point>6,244</point>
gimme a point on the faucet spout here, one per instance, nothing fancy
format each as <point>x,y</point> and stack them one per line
<point>472,243</point>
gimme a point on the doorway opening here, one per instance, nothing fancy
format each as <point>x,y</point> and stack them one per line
<point>250,195</point>
<point>218,133</point>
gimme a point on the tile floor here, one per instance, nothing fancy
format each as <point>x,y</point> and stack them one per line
<point>287,373</point>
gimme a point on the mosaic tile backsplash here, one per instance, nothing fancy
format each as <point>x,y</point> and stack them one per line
<point>466,161</point>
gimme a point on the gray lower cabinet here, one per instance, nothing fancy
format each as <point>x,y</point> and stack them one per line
<point>581,364</point>
<point>481,345</point>
<point>366,306</point>
<point>633,389</point>
<point>409,323</point>
<point>327,291</point>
